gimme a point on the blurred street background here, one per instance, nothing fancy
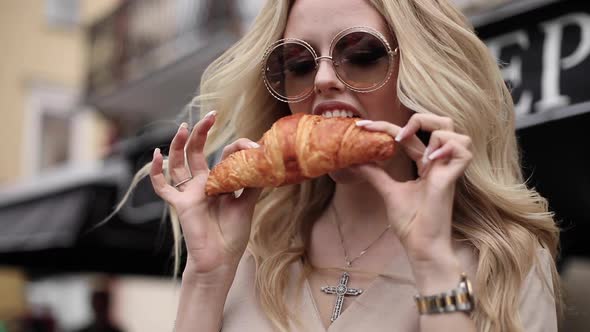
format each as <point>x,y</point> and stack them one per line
<point>88,89</point>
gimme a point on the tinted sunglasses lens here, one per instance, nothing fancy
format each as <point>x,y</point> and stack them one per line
<point>290,70</point>
<point>362,60</point>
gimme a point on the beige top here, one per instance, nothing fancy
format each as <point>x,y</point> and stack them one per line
<point>386,305</point>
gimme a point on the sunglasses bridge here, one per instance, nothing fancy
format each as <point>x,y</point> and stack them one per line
<point>327,57</point>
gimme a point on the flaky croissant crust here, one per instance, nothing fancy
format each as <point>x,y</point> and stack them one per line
<point>296,148</point>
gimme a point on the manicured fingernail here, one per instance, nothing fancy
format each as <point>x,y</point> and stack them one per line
<point>400,135</point>
<point>210,114</point>
<point>253,145</point>
<point>425,155</point>
<point>183,125</point>
<point>156,152</point>
<point>435,154</point>
<point>361,123</point>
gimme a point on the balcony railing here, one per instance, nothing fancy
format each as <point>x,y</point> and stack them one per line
<point>141,36</point>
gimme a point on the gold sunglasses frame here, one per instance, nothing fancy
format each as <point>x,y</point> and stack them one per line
<point>391,54</point>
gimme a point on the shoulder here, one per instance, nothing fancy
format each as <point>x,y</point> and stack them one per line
<point>537,298</point>
<point>241,292</point>
<point>539,277</point>
<point>538,282</point>
<point>537,305</point>
<point>242,311</point>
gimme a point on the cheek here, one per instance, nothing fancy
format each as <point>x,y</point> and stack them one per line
<point>300,107</point>
<point>381,104</point>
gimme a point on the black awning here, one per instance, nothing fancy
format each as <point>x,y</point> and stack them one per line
<point>544,51</point>
<point>557,162</point>
<point>48,222</point>
<point>543,47</point>
<point>51,229</point>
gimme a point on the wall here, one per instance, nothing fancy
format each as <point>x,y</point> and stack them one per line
<point>33,53</point>
<point>12,288</point>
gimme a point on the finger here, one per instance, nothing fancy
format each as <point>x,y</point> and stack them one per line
<point>239,144</point>
<point>382,126</point>
<point>440,137</point>
<point>176,159</point>
<point>161,186</point>
<point>413,147</point>
<point>426,122</point>
<point>456,156</point>
<point>196,143</point>
<point>452,149</point>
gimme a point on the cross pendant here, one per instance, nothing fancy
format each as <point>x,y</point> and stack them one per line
<point>341,290</point>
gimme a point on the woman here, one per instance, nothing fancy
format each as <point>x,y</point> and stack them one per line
<point>408,226</point>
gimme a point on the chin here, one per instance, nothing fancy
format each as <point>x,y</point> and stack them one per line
<point>345,176</point>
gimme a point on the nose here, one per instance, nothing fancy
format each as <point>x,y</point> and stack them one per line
<point>326,80</point>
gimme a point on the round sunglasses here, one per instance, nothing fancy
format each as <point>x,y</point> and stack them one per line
<point>361,56</point>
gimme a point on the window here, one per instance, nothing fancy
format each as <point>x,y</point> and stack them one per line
<point>55,139</point>
<point>56,131</point>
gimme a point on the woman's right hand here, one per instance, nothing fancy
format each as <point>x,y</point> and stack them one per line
<point>216,229</point>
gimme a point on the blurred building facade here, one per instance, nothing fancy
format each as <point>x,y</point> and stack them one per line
<point>66,67</point>
<point>43,65</point>
<point>42,74</point>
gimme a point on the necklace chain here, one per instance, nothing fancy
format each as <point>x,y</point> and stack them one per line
<point>346,257</point>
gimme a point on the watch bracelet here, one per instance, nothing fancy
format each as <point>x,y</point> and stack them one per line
<point>459,299</point>
<point>452,301</point>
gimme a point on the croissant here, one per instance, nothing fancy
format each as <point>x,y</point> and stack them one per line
<point>297,148</point>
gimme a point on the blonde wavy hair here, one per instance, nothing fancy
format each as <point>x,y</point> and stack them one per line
<point>494,210</point>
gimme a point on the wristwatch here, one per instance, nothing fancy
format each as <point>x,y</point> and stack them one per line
<point>458,299</point>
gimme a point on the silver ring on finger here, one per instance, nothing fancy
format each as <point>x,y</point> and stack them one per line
<point>183,181</point>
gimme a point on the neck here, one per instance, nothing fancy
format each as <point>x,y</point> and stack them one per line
<point>371,212</point>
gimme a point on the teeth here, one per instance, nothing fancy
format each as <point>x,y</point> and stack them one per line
<point>338,114</point>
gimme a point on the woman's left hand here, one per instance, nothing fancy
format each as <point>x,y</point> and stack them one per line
<point>421,210</point>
